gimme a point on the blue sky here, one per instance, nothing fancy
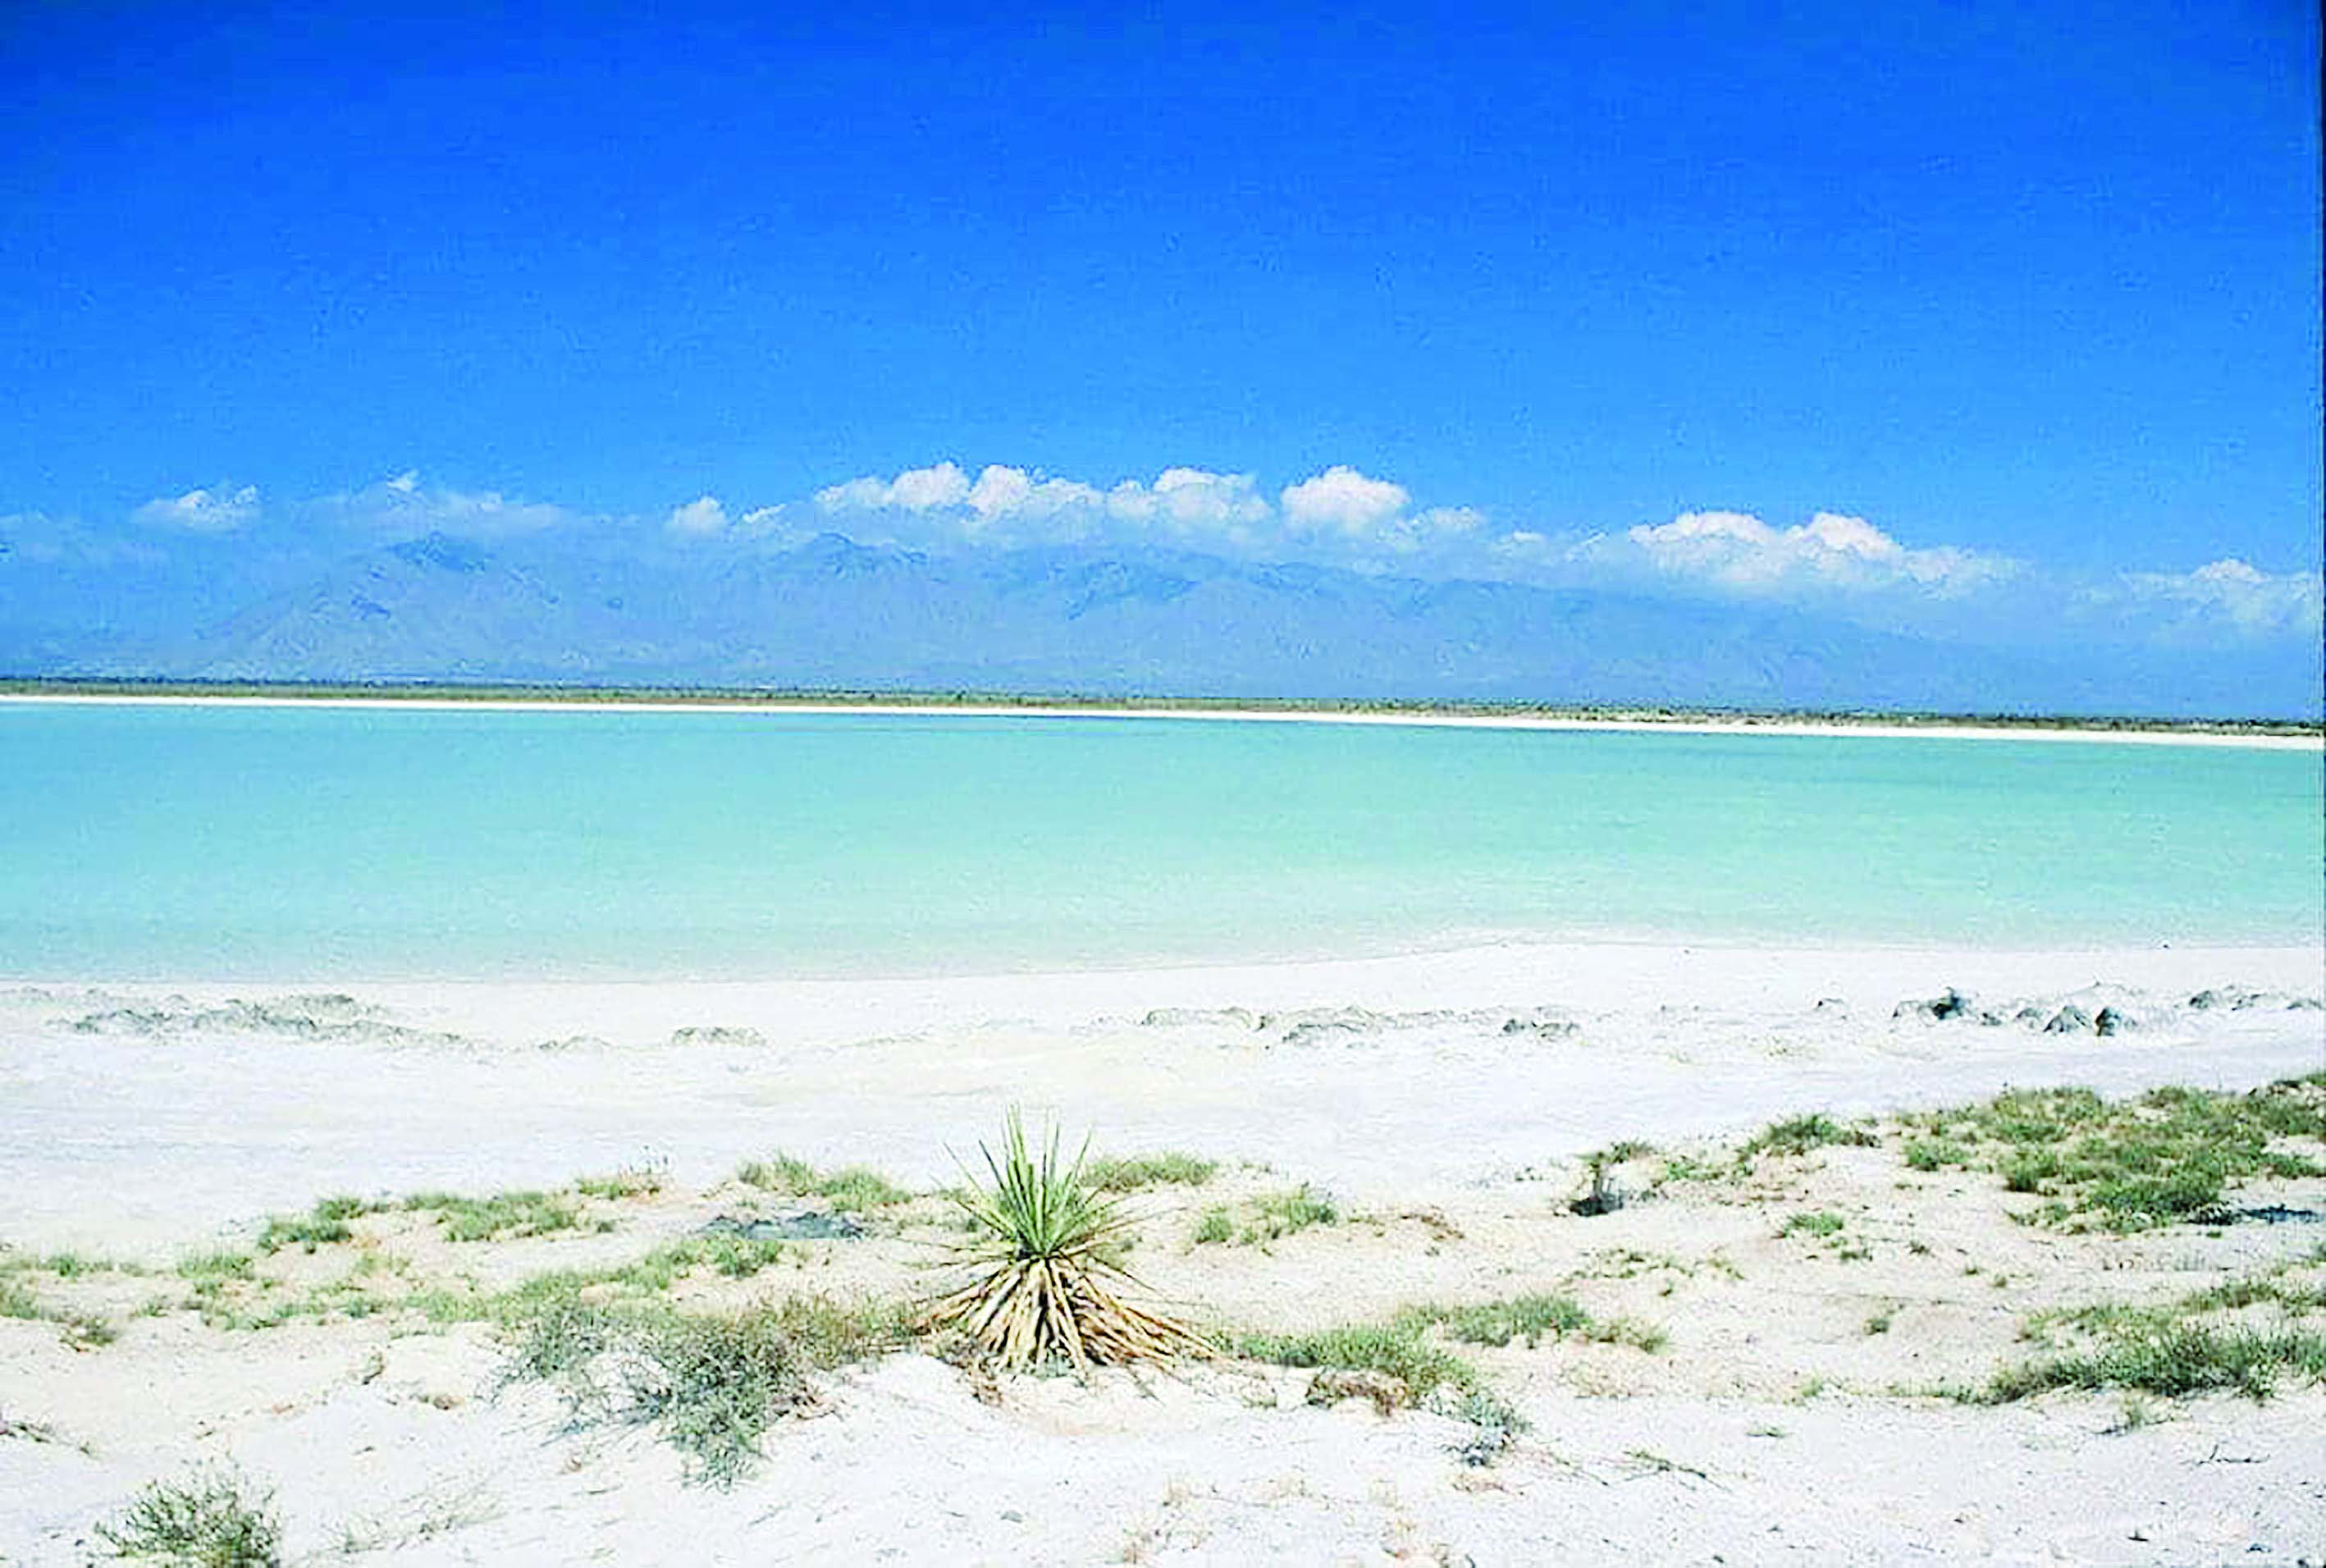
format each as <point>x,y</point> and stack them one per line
<point>2033,287</point>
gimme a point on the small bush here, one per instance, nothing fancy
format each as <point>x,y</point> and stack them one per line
<point>1217,1225</point>
<point>215,1518</point>
<point>216,1265</point>
<point>712,1383</point>
<point>2169,1156</point>
<point>1816,1223</point>
<point>855,1187</point>
<point>502,1214</point>
<point>88,1331</point>
<point>621,1184</point>
<point>1398,1350</point>
<point>325,1223</point>
<point>1936,1155</point>
<point>1527,1318</point>
<point>1495,1425</point>
<point>1276,1215</point>
<point>1530,1318</point>
<point>2173,1348</point>
<point>2173,1358</point>
<point>1800,1134</point>
<point>1138,1173</point>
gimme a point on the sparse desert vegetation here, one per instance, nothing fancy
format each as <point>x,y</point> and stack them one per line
<point>641,1304</point>
<point>213,1518</point>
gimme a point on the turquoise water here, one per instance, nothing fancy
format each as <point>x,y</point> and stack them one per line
<point>155,842</point>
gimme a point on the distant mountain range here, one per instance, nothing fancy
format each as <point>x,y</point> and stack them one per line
<point>833,612</point>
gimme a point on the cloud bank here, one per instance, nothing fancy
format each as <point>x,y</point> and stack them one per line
<point>1338,516</point>
<point>202,511</point>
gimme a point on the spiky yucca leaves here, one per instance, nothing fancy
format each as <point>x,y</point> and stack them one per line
<point>1041,1276</point>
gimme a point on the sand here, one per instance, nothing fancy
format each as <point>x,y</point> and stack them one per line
<point>1442,1099</point>
<point>2163,733</point>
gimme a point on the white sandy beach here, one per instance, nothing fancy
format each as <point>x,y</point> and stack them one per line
<point>147,1123</point>
<point>1742,724</point>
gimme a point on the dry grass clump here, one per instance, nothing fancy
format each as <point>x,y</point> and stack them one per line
<point>853,1189</point>
<point>1136,1173</point>
<point>214,1518</point>
<point>710,1383</point>
<point>1041,1267</point>
<point>1799,1134</point>
<point>1270,1217</point>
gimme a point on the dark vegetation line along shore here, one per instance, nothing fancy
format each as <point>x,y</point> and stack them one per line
<point>1098,703</point>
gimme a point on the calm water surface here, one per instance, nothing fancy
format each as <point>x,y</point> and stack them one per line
<point>154,842</point>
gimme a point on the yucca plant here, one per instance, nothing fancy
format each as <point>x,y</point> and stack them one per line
<point>1041,1268</point>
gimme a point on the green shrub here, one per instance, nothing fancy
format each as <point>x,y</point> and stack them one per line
<point>1799,1134</point>
<point>215,1518</point>
<point>854,1188</point>
<point>1398,1350</point>
<point>711,1382</point>
<point>1936,1154</point>
<point>1276,1215</point>
<point>1816,1223</point>
<point>325,1223</point>
<point>502,1214</point>
<point>1137,1172</point>
<point>1530,1318</point>
<point>2175,1358</point>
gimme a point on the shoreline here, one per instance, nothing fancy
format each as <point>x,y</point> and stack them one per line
<point>2162,733</point>
<point>313,1234</point>
<point>1595,967</point>
<point>175,1105</point>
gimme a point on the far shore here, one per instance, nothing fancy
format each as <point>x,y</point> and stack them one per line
<point>2273,734</point>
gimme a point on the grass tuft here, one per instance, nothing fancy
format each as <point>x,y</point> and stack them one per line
<point>323,1225</point>
<point>1271,1217</point>
<point>502,1214</point>
<point>1799,1134</point>
<point>711,1382</point>
<point>1398,1350</point>
<point>2169,1156</point>
<point>1818,1224</point>
<point>2177,1348</point>
<point>1531,1318</point>
<point>1137,1172</point>
<point>857,1188</point>
<point>214,1518</point>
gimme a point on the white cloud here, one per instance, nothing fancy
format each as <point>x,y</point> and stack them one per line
<point>1004,492</point>
<point>917,489</point>
<point>1341,499</point>
<point>203,511</point>
<point>1192,502</point>
<point>2230,589</point>
<point>698,518</point>
<point>1006,504</point>
<point>1738,550</point>
<point>408,504</point>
